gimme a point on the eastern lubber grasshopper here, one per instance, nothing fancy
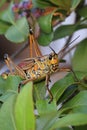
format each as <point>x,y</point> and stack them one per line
<point>39,67</point>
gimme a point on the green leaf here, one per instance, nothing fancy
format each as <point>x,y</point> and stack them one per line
<point>64,30</point>
<point>11,83</point>
<point>84,127</point>
<point>6,95</point>
<point>7,15</point>
<point>24,109</point>
<point>52,3</point>
<point>7,115</point>
<point>2,2</point>
<point>45,39</point>
<point>70,120</point>
<point>83,25</point>
<point>45,22</point>
<point>44,107</point>
<point>62,4</point>
<point>44,121</point>
<point>66,5</point>
<point>3,27</point>
<point>41,4</point>
<point>78,104</point>
<point>67,30</point>
<point>39,90</point>
<point>75,3</point>
<point>68,92</point>
<point>19,31</point>
<point>79,61</point>
<point>83,12</point>
<point>60,86</point>
<point>64,128</point>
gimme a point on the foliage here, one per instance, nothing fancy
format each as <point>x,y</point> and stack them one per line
<point>48,117</point>
<point>12,29</point>
<point>30,109</point>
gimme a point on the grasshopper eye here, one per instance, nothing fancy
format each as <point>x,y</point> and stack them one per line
<point>5,56</point>
<point>50,57</point>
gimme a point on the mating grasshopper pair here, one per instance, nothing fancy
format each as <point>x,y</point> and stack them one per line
<point>38,67</point>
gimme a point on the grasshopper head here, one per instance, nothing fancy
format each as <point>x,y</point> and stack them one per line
<point>54,62</point>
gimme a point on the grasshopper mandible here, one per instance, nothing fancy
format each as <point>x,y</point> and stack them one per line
<point>38,67</point>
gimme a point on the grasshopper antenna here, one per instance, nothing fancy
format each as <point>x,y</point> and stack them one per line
<point>66,45</point>
<point>64,50</point>
<point>52,49</point>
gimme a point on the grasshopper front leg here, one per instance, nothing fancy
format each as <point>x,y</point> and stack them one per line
<point>47,86</point>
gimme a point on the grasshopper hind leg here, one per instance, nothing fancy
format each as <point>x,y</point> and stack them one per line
<point>23,83</point>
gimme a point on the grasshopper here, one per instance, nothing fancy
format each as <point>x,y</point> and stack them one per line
<point>39,67</point>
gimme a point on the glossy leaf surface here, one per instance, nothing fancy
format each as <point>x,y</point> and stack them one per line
<point>19,31</point>
<point>7,15</point>
<point>7,114</point>
<point>24,109</point>
<point>70,119</point>
<point>79,60</point>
